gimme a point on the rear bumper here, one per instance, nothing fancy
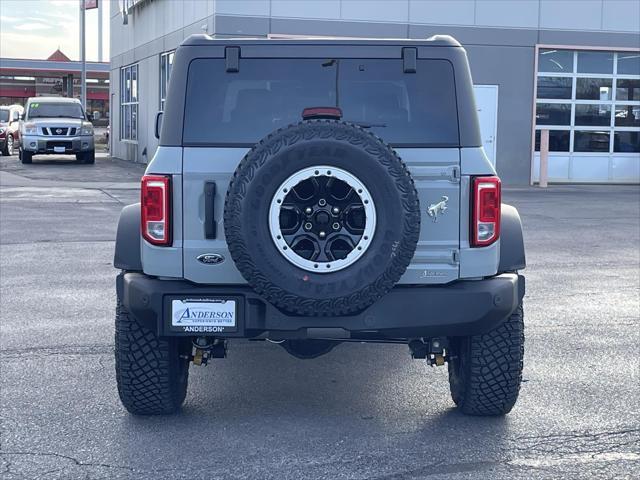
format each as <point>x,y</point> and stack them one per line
<point>43,145</point>
<point>457,309</point>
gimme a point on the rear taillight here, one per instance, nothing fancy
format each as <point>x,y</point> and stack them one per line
<point>485,226</point>
<point>155,195</point>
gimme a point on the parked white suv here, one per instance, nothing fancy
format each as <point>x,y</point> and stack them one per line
<point>56,126</point>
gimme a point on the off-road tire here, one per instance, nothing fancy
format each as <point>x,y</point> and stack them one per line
<point>151,375</point>
<point>341,145</point>
<point>25,157</point>
<point>485,371</point>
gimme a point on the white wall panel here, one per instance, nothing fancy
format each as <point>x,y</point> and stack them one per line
<point>329,9</point>
<point>626,168</point>
<point>242,7</point>
<point>446,12</point>
<point>557,168</point>
<point>621,16</point>
<point>590,168</point>
<point>571,14</point>
<point>501,13</point>
<point>376,10</point>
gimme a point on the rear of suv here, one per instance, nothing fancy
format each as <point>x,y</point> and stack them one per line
<point>56,126</point>
<point>318,192</point>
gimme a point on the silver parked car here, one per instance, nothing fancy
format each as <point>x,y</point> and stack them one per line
<point>55,126</point>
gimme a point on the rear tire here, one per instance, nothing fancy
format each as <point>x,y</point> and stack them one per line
<point>8,148</point>
<point>151,375</point>
<point>485,371</point>
<point>25,157</point>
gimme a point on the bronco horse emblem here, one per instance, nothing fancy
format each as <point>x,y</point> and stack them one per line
<point>436,209</point>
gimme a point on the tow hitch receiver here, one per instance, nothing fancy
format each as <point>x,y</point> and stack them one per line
<point>434,350</point>
<point>204,348</point>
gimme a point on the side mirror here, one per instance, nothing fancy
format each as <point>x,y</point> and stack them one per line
<point>158,126</point>
<point>21,117</point>
<point>15,116</point>
<point>89,117</point>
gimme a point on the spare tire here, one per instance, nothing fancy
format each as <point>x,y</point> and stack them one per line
<point>322,218</point>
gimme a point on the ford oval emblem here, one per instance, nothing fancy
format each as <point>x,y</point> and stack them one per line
<point>210,258</point>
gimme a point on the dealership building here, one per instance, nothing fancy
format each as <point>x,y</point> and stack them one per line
<point>569,67</point>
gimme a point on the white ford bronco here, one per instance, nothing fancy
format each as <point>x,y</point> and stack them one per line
<point>317,192</point>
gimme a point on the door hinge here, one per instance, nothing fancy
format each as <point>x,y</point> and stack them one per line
<point>455,257</point>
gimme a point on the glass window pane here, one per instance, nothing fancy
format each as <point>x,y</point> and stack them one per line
<point>554,87</point>
<point>122,122</point>
<point>134,83</point>
<point>590,141</point>
<point>555,61</point>
<point>628,63</point>
<point>626,142</point>
<point>268,94</point>
<point>553,114</point>
<point>127,122</point>
<point>558,140</point>
<point>627,116</point>
<point>595,62</point>
<point>593,88</point>
<point>599,115</point>
<point>163,76</point>
<point>127,85</point>
<point>627,89</point>
<point>134,122</point>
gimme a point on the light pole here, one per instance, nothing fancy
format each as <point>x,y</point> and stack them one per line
<point>83,77</point>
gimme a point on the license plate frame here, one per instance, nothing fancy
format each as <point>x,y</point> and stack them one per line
<point>202,315</point>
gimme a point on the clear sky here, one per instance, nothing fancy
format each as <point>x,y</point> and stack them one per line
<point>36,28</point>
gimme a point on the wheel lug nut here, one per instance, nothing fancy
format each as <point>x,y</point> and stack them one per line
<point>322,234</point>
<point>322,202</point>
<point>336,226</point>
<point>336,210</point>
<point>308,226</point>
<point>308,211</point>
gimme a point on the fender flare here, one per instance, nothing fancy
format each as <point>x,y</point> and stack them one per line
<point>127,253</point>
<point>512,256</point>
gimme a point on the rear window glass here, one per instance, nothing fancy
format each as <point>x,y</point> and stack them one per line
<point>267,94</point>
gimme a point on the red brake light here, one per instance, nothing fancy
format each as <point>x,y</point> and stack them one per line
<point>321,112</point>
<point>155,199</point>
<point>485,226</point>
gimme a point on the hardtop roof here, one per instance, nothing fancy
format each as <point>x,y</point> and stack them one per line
<point>207,40</point>
<point>53,100</point>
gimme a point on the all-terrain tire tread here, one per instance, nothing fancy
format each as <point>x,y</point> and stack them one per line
<point>147,370</point>
<point>494,374</point>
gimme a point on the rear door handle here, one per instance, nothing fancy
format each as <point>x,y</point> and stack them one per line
<point>210,225</point>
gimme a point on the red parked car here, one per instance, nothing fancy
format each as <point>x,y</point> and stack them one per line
<point>9,128</point>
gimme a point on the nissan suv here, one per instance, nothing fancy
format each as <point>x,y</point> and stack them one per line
<point>313,193</point>
<point>56,126</point>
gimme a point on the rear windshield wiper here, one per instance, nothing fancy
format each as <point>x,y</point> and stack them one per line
<point>367,124</point>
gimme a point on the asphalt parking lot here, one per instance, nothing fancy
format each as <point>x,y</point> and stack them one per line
<point>362,411</point>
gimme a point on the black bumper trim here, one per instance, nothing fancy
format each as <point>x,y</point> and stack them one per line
<point>458,309</point>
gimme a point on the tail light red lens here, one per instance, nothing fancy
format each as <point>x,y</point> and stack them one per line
<point>485,226</point>
<point>155,198</point>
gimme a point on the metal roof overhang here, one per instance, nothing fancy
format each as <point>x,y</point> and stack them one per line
<point>51,67</point>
